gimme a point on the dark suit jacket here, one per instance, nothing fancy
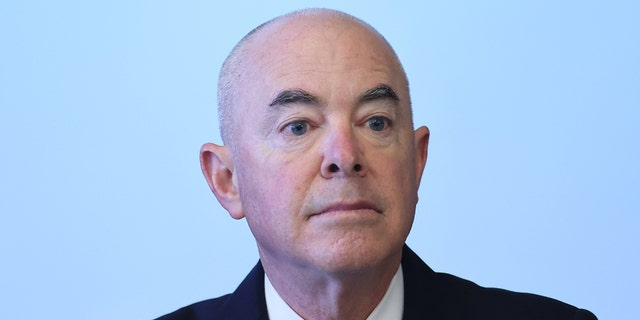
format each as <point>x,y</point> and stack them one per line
<point>428,295</point>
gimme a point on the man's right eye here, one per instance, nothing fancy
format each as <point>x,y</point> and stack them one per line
<point>298,127</point>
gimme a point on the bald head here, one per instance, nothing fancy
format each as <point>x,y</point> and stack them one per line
<point>291,35</point>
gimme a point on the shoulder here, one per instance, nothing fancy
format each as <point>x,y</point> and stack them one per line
<point>199,310</point>
<point>246,302</point>
<point>444,296</point>
<point>498,303</point>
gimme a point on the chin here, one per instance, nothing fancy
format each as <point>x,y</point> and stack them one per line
<point>357,257</point>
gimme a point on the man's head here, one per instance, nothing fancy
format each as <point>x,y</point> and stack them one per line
<point>320,153</point>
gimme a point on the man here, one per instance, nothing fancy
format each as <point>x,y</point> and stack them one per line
<point>322,159</point>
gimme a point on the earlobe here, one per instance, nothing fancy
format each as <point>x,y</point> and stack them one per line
<point>217,166</point>
<point>422,148</point>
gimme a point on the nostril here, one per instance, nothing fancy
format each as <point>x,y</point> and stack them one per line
<point>357,167</point>
<point>334,168</point>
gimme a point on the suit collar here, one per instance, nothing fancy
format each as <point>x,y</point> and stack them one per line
<point>418,286</point>
<point>248,301</point>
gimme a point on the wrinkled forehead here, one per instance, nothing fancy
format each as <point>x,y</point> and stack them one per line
<point>330,45</point>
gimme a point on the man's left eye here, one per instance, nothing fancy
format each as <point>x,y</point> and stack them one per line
<point>377,123</point>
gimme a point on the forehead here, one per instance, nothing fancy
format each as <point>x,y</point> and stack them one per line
<point>326,55</point>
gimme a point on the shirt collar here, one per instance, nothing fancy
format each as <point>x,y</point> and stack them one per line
<point>390,307</point>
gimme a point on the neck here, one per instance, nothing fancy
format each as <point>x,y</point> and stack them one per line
<point>318,294</point>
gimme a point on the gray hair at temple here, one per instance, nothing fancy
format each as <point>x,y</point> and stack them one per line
<point>231,73</point>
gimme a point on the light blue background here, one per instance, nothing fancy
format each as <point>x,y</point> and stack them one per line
<point>531,183</point>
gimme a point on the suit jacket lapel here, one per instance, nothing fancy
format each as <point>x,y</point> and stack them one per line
<point>421,300</point>
<point>248,301</point>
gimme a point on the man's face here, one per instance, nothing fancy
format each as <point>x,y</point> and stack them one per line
<point>326,161</point>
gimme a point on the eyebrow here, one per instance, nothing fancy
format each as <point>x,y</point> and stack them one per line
<point>293,96</point>
<point>382,91</point>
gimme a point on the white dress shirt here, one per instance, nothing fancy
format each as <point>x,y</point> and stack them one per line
<point>389,308</point>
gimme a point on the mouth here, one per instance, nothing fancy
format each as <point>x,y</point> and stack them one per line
<point>348,207</point>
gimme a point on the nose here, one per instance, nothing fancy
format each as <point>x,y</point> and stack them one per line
<point>342,156</point>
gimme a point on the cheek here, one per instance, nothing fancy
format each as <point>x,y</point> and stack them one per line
<point>396,175</point>
<point>274,200</point>
<point>274,186</point>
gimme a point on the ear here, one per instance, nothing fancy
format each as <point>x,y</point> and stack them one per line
<point>422,146</point>
<point>217,167</point>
